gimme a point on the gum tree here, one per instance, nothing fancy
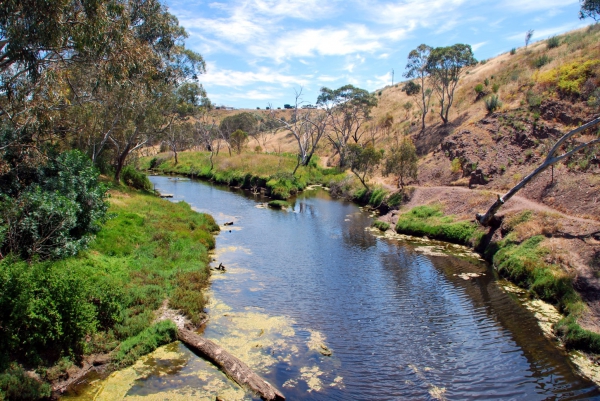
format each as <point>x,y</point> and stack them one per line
<point>347,108</point>
<point>445,66</point>
<point>416,69</point>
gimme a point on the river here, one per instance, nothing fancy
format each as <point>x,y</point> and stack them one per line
<point>325,309</point>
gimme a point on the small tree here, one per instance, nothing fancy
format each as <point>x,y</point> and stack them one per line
<point>417,68</point>
<point>238,140</point>
<point>528,36</point>
<point>363,161</point>
<point>402,162</point>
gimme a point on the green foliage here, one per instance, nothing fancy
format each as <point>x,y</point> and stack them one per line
<point>575,337</point>
<point>411,88</point>
<point>58,212</point>
<point>541,61</point>
<point>495,87</point>
<point>44,309</point>
<point>135,179</point>
<point>456,165</point>
<point>524,265</point>
<point>513,51</point>
<point>377,196</point>
<point>238,140</point>
<point>381,225</point>
<point>590,8</point>
<point>533,100</point>
<point>478,88</point>
<point>492,103</point>
<point>402,161</point>
<point>279,204</point>
<point>553,42</point>
<point>145,342</point>
<point>569,78</point>
<point>16,385</point>
<point>363,161</point>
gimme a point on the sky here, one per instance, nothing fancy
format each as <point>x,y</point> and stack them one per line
<point>261,52</point>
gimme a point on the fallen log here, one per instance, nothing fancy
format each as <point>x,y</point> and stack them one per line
<point>233,367</point>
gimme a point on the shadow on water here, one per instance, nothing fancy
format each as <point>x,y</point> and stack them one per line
<point>399,324</point>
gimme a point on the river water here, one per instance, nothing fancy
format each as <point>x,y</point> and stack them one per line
<point>325,309</point>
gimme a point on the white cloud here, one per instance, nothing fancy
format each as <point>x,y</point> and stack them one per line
<point>236,79</point>
<point>411,13</point>
<point>380,81</point>
<point>383,56</point>
<point>477,46</point>
<point>323,42</point>
<point>535,5</point>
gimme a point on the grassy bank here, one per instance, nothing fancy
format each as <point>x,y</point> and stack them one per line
<point>104,300</point>
<point>247,170</point>
<point>517,257</point>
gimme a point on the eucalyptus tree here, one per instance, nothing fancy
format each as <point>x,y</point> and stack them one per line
<point>347,108</point>
<point>590,8</point>
<point>445,66</point>
<point>402,162</point>
<point>363,161</point>
<point>246,122</point>
<point>306,125</point>
<point>416,69</point>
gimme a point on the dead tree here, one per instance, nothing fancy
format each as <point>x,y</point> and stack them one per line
<point>232,366</point>
<point>551,159</point>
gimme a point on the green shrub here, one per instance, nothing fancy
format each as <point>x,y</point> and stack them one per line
<point>533,100</point>
<point>492,103</point>
<point>541,61</point>
<point>45,310</point>
<point>55,215</point>
<point>478,88</point>
<point>135,179</point>
<point>553,42</point>
<point>377,197</point>
<point>456,165</point>
<point>495,88</point>
<point>279,204</point>
<point>16,385</point>
<point>513,51</point>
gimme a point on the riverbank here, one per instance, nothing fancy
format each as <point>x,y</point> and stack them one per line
<point>98,308</point>
<point>547,253</point>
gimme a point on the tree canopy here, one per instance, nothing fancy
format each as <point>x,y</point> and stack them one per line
<point>590,8</point>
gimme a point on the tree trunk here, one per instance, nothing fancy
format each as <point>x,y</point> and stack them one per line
<point>485,219</point>
<point>233,367</point>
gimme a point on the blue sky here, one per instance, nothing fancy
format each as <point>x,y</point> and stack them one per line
<point>259,51</point>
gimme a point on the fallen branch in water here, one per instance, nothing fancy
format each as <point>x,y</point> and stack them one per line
<point>233,367</point>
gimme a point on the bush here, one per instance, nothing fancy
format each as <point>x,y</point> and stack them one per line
<point>478,88</point>
<point>553,42</point>
<point>16,385</point>
<point>492,103</point>
<point>456,165</point>
<point>513,51</point>
<point>541,61</point>
<point>495,88</point>
<point>135,179</point>
<point>279,204</point>
<point>57,214</point>
<point>45,310</point>
<point>570,78</point>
